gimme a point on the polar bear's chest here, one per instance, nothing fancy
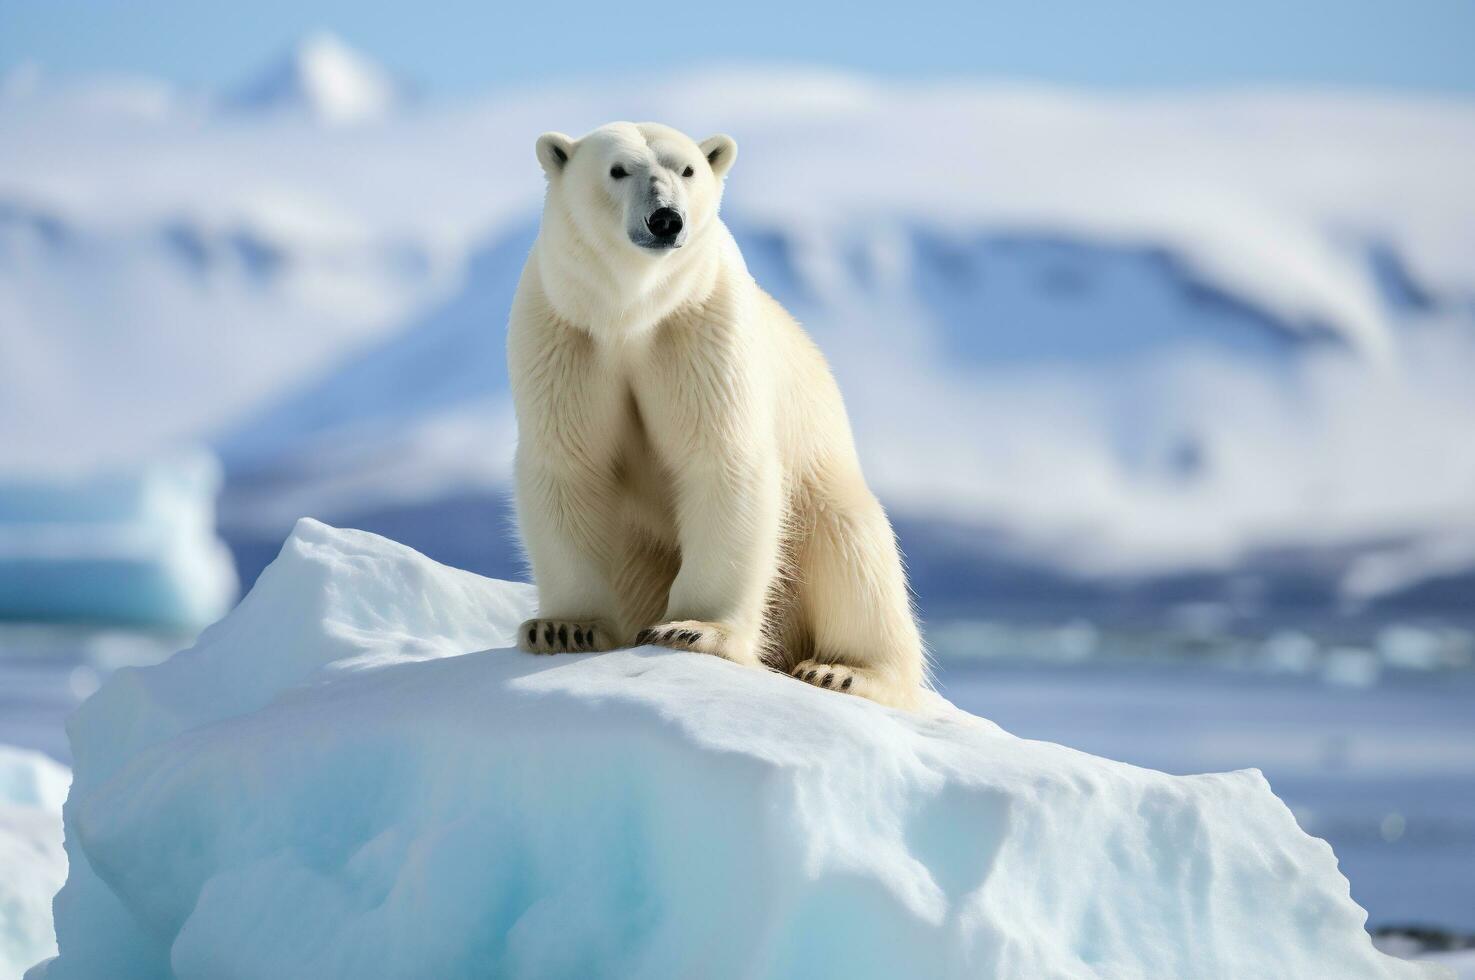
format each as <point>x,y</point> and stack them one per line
<point>644,479</point>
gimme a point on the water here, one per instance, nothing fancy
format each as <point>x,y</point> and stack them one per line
<point>46,671</point>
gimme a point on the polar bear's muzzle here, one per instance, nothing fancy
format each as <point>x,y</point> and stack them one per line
<point>664,228</point>
<point>665,223</point>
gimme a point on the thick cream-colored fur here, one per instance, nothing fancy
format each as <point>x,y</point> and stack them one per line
<point>686,474</point>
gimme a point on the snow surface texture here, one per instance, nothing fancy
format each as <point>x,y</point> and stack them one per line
<point>349,776</point>
<point>32,862</point>
<point>132,545</point>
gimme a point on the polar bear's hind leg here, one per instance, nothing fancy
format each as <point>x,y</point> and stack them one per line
<point>697,636</point>
<point>855,603</point>
<point>846,679</point>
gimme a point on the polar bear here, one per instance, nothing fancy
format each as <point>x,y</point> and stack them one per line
<point>685,471</point>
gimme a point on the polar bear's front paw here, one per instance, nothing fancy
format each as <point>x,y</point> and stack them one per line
<point>563,636</point>
<point>835,677</point>
<point>687,634</point>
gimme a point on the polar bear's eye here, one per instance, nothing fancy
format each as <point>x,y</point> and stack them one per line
<point>617,172</point>
<point>687,172</point>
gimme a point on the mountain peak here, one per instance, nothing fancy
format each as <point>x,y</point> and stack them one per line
<point>322,77</point>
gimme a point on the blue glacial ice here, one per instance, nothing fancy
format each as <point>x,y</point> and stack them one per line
<point>133,544</point>
<point>353,776</point>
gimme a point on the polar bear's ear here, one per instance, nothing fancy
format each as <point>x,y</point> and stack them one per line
<point>720,152</point>
<point>554,149</point>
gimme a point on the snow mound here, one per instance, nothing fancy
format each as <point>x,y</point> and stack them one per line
<point>325,79</point>
<point>132,545</point>
<point>350,776</point>
<point>32,863</point>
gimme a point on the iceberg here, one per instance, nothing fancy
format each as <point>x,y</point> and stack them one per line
<point>32,863</point>
<point>352,775</point>
<point>133,545</point>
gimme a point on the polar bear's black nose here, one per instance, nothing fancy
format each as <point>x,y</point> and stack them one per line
<point>664,222</point>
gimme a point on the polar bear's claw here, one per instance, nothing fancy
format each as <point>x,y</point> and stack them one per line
<point>698,637</point>
<point>563,636</point>
<point>832,677</point>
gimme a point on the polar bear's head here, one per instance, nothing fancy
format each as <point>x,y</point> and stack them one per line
<point>639,186</point>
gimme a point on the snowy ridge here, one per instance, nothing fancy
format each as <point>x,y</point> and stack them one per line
<point>373,786</point>
<point>324,79</point>
<point>128,340</point>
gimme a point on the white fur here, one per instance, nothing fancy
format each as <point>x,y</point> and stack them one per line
<point>685,470</point>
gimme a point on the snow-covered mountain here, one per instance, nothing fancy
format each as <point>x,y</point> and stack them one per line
<point>325,79</point>
<point>1106,339</point>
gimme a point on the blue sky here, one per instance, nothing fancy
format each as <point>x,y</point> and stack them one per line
<point>460,46</point>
